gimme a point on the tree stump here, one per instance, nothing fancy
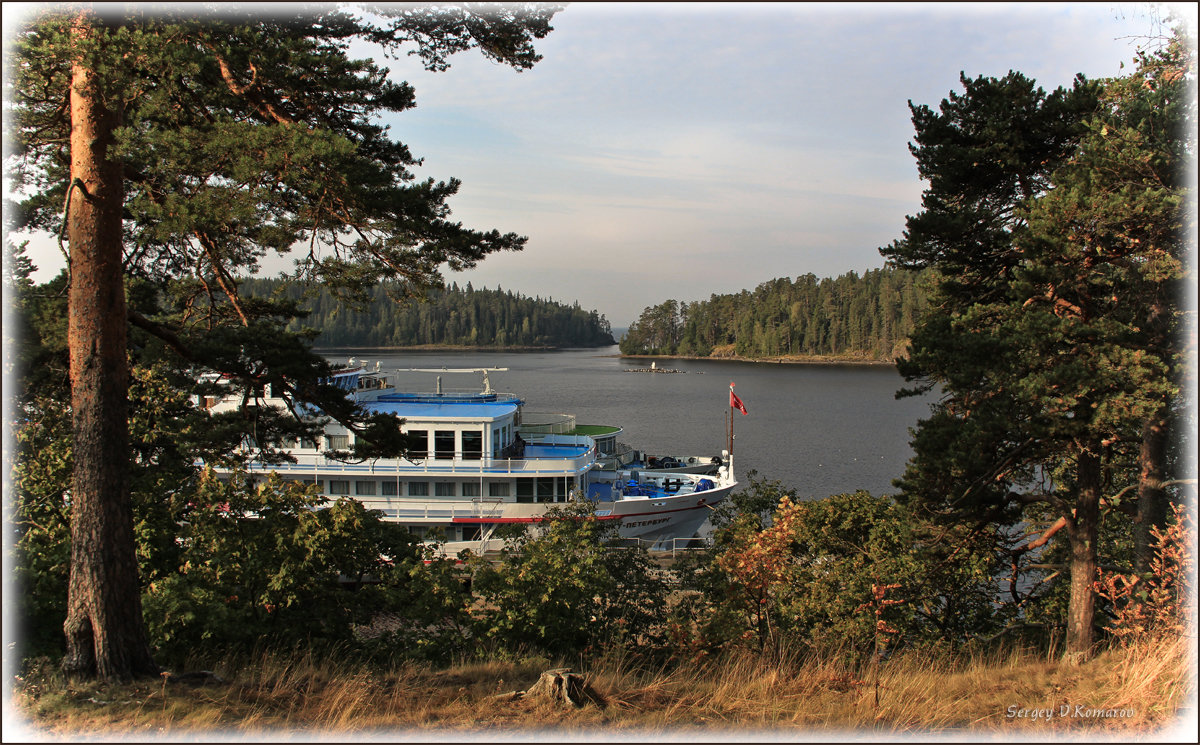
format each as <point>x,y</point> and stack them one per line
<point>562,687</point>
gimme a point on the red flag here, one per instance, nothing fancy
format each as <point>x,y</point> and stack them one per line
<point>735,402</point>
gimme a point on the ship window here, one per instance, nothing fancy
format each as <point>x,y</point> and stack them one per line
<point>545,490</point>
<point>496,489</point>
<point>443,444</point>
<point>472,445</point>
<point>308,443</point>
<point>364,488</point>
<point>444,489</point>
<point>319,482</point>
<point>470,532</point>
<point>497,443</point>
<point>337,442</point>
<point>420,444</point>
<point>339,487</point>
<point>525,490</point>
<point>418,489</point>
<point>389,488</point>
<point>471,489</point>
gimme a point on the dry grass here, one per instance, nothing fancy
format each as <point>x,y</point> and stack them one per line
<point>1147,689</point>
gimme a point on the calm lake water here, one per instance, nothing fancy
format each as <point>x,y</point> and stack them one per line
<point>819,429</point>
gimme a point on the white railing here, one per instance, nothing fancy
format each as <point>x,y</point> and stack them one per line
<point>549,424</point>
<point>559,439</point>
<point>429,466</point>
<point>664,545</point>
<point>308,463</point>
<point>440,509</point>
<point>446,393</point>
<point>621,456</point>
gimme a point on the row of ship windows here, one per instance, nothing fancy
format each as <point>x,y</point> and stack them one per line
<point>537,489</point>
<point>445,444</point>
<point>449,532</point>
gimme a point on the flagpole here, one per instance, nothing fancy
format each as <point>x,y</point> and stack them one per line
<point>729,413</point>
<point>729,428</point>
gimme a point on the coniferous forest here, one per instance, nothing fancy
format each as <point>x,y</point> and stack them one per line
<point>450,317</point>
<point>859,317</point>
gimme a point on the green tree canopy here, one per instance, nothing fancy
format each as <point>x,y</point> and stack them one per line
<point>865,317</point>
<point>567,586</point>
<point>449,316</point>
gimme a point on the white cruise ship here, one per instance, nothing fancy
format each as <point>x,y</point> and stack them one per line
<point>478,465</point>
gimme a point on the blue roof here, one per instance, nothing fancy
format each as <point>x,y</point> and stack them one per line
<point>450,409</point>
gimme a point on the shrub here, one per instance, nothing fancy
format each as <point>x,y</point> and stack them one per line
<point>1155,603</point>
<point>569,588</point>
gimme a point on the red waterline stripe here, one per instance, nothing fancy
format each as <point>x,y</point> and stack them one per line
<point>481,520</point>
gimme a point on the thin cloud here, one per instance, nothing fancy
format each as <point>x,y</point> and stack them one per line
<point>675,150</point>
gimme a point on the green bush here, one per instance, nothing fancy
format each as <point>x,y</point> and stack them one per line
<point>569,588</point>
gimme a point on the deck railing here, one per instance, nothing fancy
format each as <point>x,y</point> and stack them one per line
<point>441,509</point>
<point>313,462</point>
<point>309,464</point>
<point>545,424</point>
<point>673,546</point>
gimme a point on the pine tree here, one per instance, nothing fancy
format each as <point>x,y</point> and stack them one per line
<point>186,148</point>
<point>1036,224</point>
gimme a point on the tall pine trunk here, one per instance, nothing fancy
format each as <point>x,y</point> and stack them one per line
<point>1083,529</point>
<point>105,632</point>
<point>1152,497</point>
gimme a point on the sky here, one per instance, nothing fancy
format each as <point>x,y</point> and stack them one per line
<point>679,150</point>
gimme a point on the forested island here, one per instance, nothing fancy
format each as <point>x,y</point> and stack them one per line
<point>867,317</point>
<point>452,316</point>
<point>860,317</point>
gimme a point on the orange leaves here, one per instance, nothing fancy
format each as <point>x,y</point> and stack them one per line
<point>760,560</point>
<point>878,603</point>
<point>882,627</point>
<point>1157,602</point>
<point>758,564</point>
<point>879,591</point>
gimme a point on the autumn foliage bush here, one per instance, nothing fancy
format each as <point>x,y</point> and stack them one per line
<point>808,576</point>
<point>1155,603</point>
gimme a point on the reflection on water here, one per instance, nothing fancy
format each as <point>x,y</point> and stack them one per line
<point>819,429</point>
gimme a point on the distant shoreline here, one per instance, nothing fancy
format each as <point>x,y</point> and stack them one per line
<point>815,359</point>
<point>449,348</point>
